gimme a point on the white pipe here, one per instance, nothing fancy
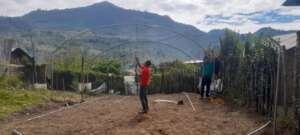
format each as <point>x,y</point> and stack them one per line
<point>262,127</point>
<point>16,132</point>
<point>59,110</point>
<point>167,101</point>
<point>187,96</point>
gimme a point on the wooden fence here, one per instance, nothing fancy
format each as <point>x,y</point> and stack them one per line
<point>253,81</point>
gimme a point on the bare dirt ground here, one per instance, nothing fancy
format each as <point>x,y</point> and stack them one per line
<point>118,115</point>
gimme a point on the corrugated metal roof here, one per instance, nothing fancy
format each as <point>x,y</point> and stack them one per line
<point>288,40</point>
<point>291,3</point>
<point>24,50</point>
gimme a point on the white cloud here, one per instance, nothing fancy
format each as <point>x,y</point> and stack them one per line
<point>192,12</point>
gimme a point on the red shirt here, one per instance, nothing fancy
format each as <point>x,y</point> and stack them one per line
<point>145,76</point>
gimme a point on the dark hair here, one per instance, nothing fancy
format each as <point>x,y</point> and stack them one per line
<point>148,63</point>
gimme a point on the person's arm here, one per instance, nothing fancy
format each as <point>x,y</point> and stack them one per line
<point>201,70</point>
<point>138,62</point>
<point>150,80</point>
<point>150,77</point>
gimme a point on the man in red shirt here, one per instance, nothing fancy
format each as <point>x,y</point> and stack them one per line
<point>144,81</point>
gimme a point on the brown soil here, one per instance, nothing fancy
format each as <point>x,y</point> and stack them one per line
<point>19,117</point>
<point>118,115</point>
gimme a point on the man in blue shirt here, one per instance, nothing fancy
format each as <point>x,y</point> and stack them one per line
<point>207,71</point>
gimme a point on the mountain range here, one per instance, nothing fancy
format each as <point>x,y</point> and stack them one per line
<point>115,32</point>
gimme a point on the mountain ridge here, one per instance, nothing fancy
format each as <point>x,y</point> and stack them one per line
<point>110,6</point>
<point>130,25</point>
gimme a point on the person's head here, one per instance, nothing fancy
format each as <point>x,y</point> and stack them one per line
<point>148,63</point>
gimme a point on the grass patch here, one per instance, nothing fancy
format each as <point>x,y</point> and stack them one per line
<point>286,121</point>
<point>12,101</point>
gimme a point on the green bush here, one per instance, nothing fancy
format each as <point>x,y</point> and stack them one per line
<point>12,101</point>
<point>174,77</point>
<point>286,121</point>
<point>11,82</point>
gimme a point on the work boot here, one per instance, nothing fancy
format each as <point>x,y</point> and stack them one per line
<point>143,112</point>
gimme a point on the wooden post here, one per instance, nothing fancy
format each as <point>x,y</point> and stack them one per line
<point>63,81</point>
<point>45,77</point>
<point>52,73</point>
<point>87,77</point>
<point>297,75</point>
<point>137,79</point>
<point>194,81</point>
<point>57,85</point>
<point>162,80</point>
<point>284,81</point>
<point>276,92</point>
<point>9,59</point>
<point>64,89</point>
<point>33,60</point>
<point>297,64</point>
<point>82,78</point>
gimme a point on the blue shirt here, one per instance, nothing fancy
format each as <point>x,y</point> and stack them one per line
<point>207,70</point>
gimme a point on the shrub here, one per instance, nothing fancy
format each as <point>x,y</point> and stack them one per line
<point>286,121</point>
<point>11,82</point>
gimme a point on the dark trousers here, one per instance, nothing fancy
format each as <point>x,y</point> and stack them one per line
<point>143,98</point>
<point>206,81</point>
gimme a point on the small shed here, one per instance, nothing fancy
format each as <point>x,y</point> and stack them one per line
<point>23,65</point>
<point>19,56</point>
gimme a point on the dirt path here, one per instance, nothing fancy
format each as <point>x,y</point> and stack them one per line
<point>117,115</point>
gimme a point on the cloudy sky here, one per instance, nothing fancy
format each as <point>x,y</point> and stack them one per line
<point>239,15</point>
